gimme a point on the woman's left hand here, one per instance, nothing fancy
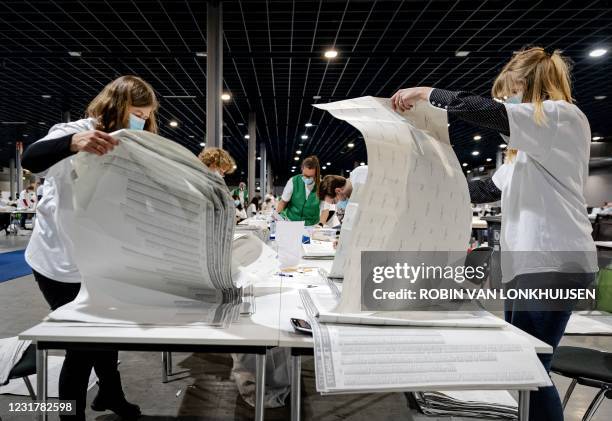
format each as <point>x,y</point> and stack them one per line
<point>405,99</point>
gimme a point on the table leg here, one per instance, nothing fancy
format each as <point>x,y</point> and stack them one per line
<point>41,379</point>
<point>164,367</point>
<point>260,385</point>
<point>169,363</point>
<point>296,371</point>
<point>523,405</point>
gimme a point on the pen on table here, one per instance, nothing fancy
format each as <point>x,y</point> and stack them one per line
<point>288,275</point>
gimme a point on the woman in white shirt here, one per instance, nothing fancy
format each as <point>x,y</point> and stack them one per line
<point>546,233</point>
<point>127,102</point>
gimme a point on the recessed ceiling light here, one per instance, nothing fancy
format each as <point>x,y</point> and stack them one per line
<point>448,125</point>
<point>298,152</point>
<point>297,158</point>
<point>361,164</point>
<point>328,163</point>
<point>200,54</point>
<point>464,164</point>
<point>598,52</point>
<point>475,153</point>
<point>489,159</point>
<point>74,53</point>
<point>46,96</point>
<point>226,97</point>
<point>503,145</point>
<point>235,166</point>
<point>246,136</point>
<point>292,169</point>
<point>315,97</point>
<point>462,53</point>
<point>241,124</point>
<point>323,167</point>
<point>351,145</point>
<point>173,123</point>
<point>25,135</point>
<point>469,171</point>
<point>597,137</point>
<point>600,97</point>
<point>308,124</point>
<point>477,137</point>
<point>304,136</point>
<point>41,122</point>
<point>331,54</point>
<point>259,158</point>
<point>202,144</point>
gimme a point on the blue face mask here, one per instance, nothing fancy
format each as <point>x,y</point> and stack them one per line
<point>515,99</point>
<point>307,180</point>
<point>342,204</point>
<point>236,202</point>
<point>136,123</point>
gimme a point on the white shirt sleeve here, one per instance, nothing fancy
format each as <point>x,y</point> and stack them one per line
<point>501,178</point>
<point>528,136</point>
<point>287,191</point>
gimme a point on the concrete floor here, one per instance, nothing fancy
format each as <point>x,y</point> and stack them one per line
<point>202,389</point>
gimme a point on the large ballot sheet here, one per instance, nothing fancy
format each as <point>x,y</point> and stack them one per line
<point>152,232</point>
<point>415,197</point>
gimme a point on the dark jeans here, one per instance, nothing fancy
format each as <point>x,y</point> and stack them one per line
<point>548,326</point>
<point>74,377</point>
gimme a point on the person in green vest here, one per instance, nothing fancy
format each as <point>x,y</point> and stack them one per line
<point>300,199</point>
<point>242,193</point>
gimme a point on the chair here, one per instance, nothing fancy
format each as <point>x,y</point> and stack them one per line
<point>587,367</point>
<point>24,368</point>
<point>603,228</point>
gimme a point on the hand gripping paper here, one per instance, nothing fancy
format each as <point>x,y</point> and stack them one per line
<point>152,233</point>
<point>415,197</point>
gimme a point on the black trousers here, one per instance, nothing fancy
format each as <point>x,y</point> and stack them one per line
<point>74,377</point>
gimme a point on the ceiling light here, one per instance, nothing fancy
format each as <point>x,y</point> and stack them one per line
<point>323,167</point>
<point>469,171</point>
<point>600,97</point>
<point>298,152</point>
<point>598,52</point>
<point>304,136</point>
<point>297,158</point>
<point>226,97</point>
<point>25,135</point>
<point>477,137</point>
<point>173,123</point>
<point>331,54</point>
<point>503,146</point>
<point>235,166</point>
<point>462,53</point>
<point>315,97</point>
<point>74,53</point>
<point>464,164</point>
<point>259,158</point>
<point>351,145</point>
<point>489,159</point>
<point>308,124</point>
<point>46,96</point>
<point>200,54</point>
<point>361,164</point>
<point>241,124</point>
<point>448,125</point>
<point>41,122</point>
<point>475,153</point>
<point>328,163</point>
<point>597,137</point>
<point>202,144</point>
<point>292,169</point>
<point>246,136</point>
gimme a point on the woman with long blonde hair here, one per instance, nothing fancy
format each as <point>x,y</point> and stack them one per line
<point>546,234</point>
<point>127,102</point>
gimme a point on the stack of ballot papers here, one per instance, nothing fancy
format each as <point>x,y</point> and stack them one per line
<point>11,351</point>
<point>152,234</point>
<point>318,249</point>
<point>256,226</point>
<point>415,196</point>
<point>480,404</point>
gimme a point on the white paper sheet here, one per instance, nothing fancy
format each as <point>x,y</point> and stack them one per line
<point>415,197</point>
<point>289,239</point>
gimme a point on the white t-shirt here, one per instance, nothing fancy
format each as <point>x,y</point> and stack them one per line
<point>288,190</point>
<point>49,250</point>
<point>251,210</point>
<point>543,206</point>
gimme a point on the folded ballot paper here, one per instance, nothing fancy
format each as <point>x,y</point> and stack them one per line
<point>415,196</point>
<point>152,233</point>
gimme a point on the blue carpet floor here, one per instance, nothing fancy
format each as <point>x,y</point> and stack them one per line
<point>13,265</point>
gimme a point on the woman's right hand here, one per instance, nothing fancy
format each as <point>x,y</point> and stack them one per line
<point>93,141</point>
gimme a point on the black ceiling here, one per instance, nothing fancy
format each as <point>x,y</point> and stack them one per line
<point>274,65</point>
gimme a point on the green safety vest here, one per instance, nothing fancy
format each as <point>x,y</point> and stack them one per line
<point>299,207</point>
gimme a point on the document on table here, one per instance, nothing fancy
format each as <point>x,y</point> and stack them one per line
<point>479,404</point>
<point>152,233</point>
<point>318,249</point>
<point>579,324</point>
<point>350,359</point>
<point>415,197</point>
